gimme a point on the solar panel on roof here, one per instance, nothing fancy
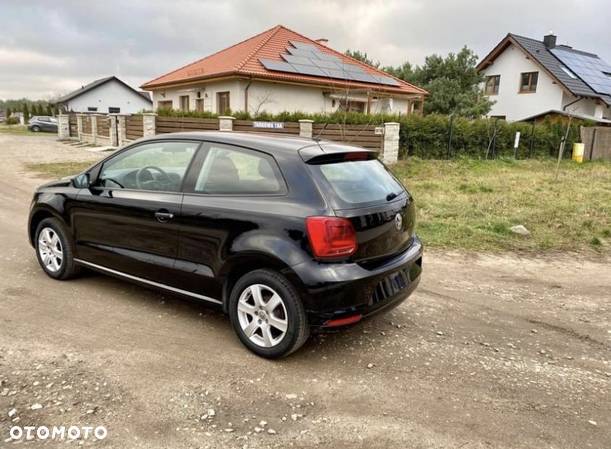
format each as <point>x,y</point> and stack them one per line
<point>278,66</point>
<point>301,52</point>
<point>307,59</point>
<point>328,57</point>
<point>590,69</point>
<point>308,70</point>
<point>297,60</point>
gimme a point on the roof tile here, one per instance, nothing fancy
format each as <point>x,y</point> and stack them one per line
<point>242,59</point>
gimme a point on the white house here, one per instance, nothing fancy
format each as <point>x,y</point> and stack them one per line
<point>106,95</point>
<point>527,78</point>
<point>281,70</point>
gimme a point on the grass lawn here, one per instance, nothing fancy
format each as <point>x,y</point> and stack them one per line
<point>472,204</point>
<point>19,130</point>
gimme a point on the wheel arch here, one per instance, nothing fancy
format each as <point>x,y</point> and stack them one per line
<point>36,217</point>
<point>242,263</point>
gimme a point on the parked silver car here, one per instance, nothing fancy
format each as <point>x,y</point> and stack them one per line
<point>42,123</point>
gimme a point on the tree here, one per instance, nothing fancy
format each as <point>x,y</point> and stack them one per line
<point>453,83</point>
<point>26,112</point>
<point>8,112</point>
<point>363,57</point>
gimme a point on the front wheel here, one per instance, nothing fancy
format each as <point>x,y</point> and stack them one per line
<point>36,128</point>
<point>54,250</point>
<point>267,314</point>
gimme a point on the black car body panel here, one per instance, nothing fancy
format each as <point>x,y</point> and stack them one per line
<point>211,239</point>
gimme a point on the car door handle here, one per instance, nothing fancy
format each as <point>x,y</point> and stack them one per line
<point>163,216</point>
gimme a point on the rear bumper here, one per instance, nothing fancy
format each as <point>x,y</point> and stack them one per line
<point>334,291</point>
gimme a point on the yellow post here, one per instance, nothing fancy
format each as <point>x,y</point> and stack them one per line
<point>578,149</point>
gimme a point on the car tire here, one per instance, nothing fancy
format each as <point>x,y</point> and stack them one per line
<point>259,323</point>
<point>35,128</point>
<point>52,240</point>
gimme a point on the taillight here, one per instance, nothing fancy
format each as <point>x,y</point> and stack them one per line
<point>331,237</point>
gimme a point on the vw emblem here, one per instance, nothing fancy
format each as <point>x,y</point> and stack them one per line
<point>398,221</point>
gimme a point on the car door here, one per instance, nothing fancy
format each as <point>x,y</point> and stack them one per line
<point>230,192</point>
<point>126,221</point>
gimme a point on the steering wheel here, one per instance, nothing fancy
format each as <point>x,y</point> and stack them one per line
<point>140,172</point>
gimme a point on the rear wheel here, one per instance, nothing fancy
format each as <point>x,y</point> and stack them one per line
<point>54,250</point>
<point>267,314</point>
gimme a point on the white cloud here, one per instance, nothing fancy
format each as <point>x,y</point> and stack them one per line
<point>46,50</point>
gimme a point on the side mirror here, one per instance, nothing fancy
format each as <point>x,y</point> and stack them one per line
<point>82,181</point>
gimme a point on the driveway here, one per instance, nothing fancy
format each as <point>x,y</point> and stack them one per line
<point>490,352</point>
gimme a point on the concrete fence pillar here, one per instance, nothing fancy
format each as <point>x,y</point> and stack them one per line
<point>113,134</point>
<point>121,130</point>
<point>63,126</point>
<point>79,126</point>
<point>94,128</point>
<point>305,128</point>
<point>148,124</point>
<point>390,151</point>
<point>226,123</point>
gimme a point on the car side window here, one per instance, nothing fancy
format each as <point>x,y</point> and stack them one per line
<point>159,166</point>
<point>236,171</point>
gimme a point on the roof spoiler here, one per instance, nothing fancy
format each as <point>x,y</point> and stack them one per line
<point>330,152</point>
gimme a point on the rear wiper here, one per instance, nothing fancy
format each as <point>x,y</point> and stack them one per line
<point>391,196</point>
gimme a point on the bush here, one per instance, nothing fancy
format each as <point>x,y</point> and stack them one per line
<point>12,121</point>
<point>427,136</point>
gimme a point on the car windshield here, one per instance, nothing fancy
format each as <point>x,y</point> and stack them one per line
<point>357,182</point>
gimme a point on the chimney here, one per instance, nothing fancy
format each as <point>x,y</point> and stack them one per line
<point>549,40</point>
<point>322,41</point>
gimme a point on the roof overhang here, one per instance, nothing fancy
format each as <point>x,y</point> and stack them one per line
<point>303,81</point>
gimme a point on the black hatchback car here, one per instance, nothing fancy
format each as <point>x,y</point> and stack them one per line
<point>285,234</point>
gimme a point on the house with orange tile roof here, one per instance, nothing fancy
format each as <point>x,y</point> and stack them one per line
<point>281,70</point>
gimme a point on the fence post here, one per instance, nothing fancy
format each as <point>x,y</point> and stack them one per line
<point>113,133</point>
<point>94,128</point>
<point>121,130</point>
<point>305,128</point>
<point>63,126</point>
<point>79,126</point>
<point>226,123</point>
<point>148,124</point>
<point>390,152</point>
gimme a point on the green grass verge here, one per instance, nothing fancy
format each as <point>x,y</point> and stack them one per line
<point>472,204</point>
<point>19,130</point>
<point>58,169</point>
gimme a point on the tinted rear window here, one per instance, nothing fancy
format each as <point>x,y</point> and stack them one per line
<point>357,182</point>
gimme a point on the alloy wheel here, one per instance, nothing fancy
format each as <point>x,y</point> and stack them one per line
<point>262,315</point>
<point>50,249</point>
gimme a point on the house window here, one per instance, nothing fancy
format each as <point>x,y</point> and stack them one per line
<point>114,110</point>
<point>199,105</point>
<point>166,104</point>
<point>92,109</point>
<point>222,102</point>
<point>528,82</point>
<point>492,85</point>
<point>351,106</point>
<point>184,102</point>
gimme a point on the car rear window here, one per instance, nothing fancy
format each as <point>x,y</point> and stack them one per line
<point>363,181</point>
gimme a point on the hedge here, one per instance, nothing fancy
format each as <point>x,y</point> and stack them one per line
<point>429,137</point>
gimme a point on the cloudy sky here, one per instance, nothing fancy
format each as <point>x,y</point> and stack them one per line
<point>50,48</point>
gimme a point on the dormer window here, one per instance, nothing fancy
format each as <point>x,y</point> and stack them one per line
<point>492,85</point>
<point>528,82</point>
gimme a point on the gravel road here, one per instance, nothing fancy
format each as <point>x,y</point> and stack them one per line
<point>490,352</point>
